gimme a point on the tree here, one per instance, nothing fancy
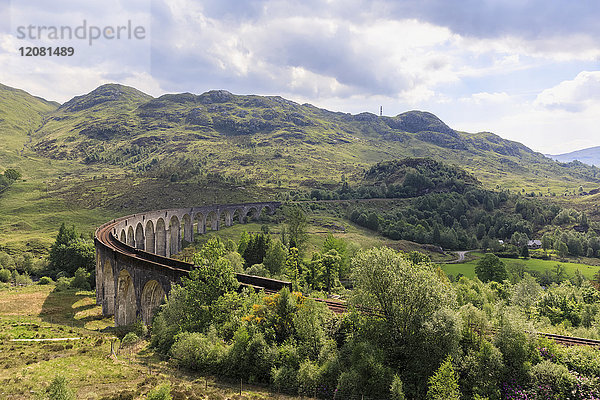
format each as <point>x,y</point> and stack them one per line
<point>73,254</point>
<point>211,277</point>
<point>404,294</point>
<point>443,385</point>
<point>547,241</point>
<point>525,251</point>
<point>339,245</point>
<point>59,389</point>
<point>275,257</point>
<point>256,249</point>
<point>331,267</point>
<point>296,223</point>
<point>313,272</point>
<point>12,174</point>
<point>243,243</point>
<point>562,249</point>
<point>292,265</point>
<point>491,268</point>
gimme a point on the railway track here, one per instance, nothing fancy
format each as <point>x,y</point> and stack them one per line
<point>104,235</point>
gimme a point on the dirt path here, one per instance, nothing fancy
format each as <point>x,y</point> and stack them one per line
<point>461,256</point>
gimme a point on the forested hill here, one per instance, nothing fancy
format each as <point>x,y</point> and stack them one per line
<point>269,138</point>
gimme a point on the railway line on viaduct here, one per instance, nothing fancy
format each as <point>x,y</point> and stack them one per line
<point>135,270</point>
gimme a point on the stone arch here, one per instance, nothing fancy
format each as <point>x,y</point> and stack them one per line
<point>149,237</point>
<point>108,286</point>
<point>161,237</point>
<point>200,222</point>
<point>123,236</point>
<point>152,296</point>
<point>139,236</point>
<point>126,302</point>
<point>130,236</point>
<point>188,228</point>
<point>212,220</point>
<point>252,214</point>
<point>238,215</point>
<point>225,218</point>
<point>175,236</point>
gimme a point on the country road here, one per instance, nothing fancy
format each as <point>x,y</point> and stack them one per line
<point>461,256</point>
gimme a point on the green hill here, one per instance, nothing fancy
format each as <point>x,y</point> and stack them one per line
<point>275,141</point>
<point>117,150</point>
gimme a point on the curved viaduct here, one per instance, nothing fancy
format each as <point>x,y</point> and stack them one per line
<point>134,270</point>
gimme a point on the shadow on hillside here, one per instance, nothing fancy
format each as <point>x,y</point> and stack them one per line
<point>70,307</point>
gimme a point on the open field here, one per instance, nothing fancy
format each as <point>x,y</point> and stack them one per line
<point>531,264</point>
<point>27,368</point>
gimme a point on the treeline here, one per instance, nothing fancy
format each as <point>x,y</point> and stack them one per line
<point>70,262</point>
<point>404,178</point>
<point>424,337</point>
<point>458,220</point>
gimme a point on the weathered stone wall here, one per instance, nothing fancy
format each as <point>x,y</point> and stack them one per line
<point>134,271</point>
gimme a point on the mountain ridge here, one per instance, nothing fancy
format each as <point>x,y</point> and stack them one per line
<point>266,138</point>
<point>590,156</point>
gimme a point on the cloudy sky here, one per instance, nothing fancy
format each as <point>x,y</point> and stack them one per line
<point>526,70</point>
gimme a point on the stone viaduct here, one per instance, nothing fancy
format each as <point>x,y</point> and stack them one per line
<point>134,271</point>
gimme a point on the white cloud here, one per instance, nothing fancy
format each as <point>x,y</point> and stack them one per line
<point>573,95</point>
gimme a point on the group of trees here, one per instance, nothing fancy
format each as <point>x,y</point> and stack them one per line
<point>408,333</point>
<point>9,176</point>
<point>71,262</point>
<point>452,220</point>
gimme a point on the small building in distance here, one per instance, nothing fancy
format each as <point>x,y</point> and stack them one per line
<point>534,244</point>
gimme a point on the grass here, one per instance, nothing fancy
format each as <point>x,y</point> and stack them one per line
<point>468,268</point>
<point>27,368</point>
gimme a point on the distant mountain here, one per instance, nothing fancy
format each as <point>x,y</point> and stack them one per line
<point>590,156</point>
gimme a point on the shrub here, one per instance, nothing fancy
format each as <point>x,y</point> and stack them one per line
<point>63,284</point>
<point>443,385</point>
<point>5,275</point>
<point>23,279</point>
<point>45,280</point>
<point>130,339</point>
<point>552,378</point>
<point>59,389</point>
<point>199,352</point>
<point>308,377</point>
<point>161,392</point>
<point>396,391</point>
<point>80,280</point>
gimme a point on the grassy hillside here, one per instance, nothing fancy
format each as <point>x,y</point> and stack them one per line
<point>117,150</point>
<point>276,141</point>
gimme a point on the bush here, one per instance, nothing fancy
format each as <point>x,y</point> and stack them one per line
<point>80,280</point>
<point>130,339</point>
<point>396,391</point>
<point>45,280</point>
<point>161,392</point>
<point>63,284</point>
<point>59,389</point>
<point>5,275</point>
<point>23,279</point>
<point>552,378</point>
<point>443,385</point>
<point>199,352</point>
<point>308,377</point>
